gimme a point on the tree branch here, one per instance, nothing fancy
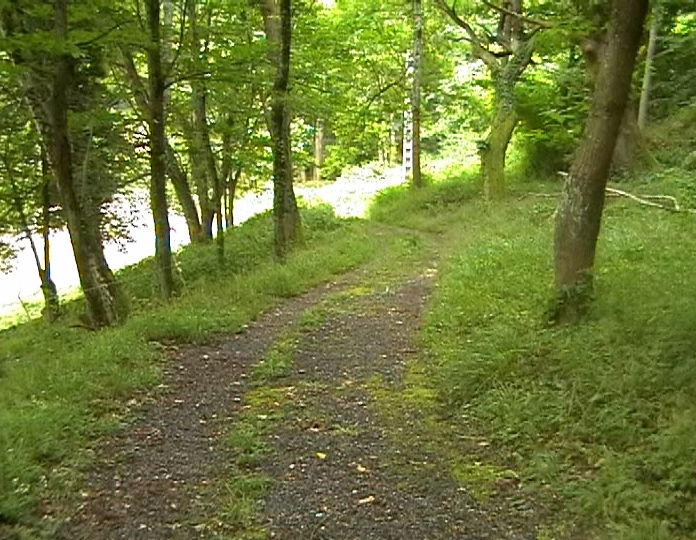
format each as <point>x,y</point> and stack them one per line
<point>519,16</point>
<point>644,200</point>
<point>477,45</point>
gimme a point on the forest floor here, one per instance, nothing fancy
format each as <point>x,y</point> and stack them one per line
<point>304,425</point>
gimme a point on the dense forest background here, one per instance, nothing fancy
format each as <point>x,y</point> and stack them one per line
<point>480,103</point>
<point>198,101</point>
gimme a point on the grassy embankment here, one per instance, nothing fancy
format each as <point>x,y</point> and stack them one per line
<point>602,413</point>
<point>61,386</point>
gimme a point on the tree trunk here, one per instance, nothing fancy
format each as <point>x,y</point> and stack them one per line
<point>647,75</point>
<point>319,154</point>
<point>231,193</point>
<point>52,309</point>
<point>175,173</point>
<point>202,158</point>
<point>630,150</point>
<point>183,194</point>
<point>580,209</point>
<point>494,148</point>
<point>417,177</point>
<point>286,217</point>
<point>398,131</point>
<point>105,302</point>
<point>158,180</point>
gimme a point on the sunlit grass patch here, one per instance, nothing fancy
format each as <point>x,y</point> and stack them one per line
<point>597,410</point>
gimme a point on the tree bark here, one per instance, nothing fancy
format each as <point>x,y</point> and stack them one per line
<point>158,179</point>
<point>417,176</point>
<point>494,147</point>
<point>203,162</point>
<point>231,193</point>
<point>319,149</point>
<point>52,309</point>
<point>182,189</point>
<point>105,302</point>
<point>644,104</point>
<point>505,69</point>
<point>630,150</point>
<point>505,76</point>
<point>286,217</point>
<point>580,209</point>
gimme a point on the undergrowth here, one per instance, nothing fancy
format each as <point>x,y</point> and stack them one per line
<point>602,411</point>
<point>61,386</point>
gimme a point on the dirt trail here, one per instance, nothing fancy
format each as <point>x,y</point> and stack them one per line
<point>147,480</point>
<point>339,469</point>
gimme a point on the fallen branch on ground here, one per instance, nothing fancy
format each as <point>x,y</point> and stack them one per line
<point>646,200</point>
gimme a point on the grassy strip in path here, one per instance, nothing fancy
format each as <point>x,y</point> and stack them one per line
<point>60,386</point>
<point>601,412</point>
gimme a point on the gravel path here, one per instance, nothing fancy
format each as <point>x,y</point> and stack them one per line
<point>146,480</point>
<point>340,468</point>
<point>340,472</point>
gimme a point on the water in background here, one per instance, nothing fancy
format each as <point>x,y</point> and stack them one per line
<point>350,195</point>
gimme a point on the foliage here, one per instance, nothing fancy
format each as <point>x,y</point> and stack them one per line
<point>674,67</point>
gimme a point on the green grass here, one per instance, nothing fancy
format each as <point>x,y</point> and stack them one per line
<point>60,386</point>
<point>603,412</point>
<point>277,362</point>
<point>246,484</point>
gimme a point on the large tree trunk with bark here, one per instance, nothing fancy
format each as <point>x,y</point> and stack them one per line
<point>630,151</point>
<point>158,179</point>
<point>286,217</point>
<point>580,209</point>
<point>105,302</point>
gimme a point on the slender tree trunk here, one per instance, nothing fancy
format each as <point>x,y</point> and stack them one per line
<point>51,309</point>
<point>182,189</point>
<point>647,75</point>
<point>220,225</point>
<point>176,174</point>
<point>231,193</point>
<point>319,154</point>
<point>158,180</point>
<point>202,158</point>
<point>398,127</point>
<point>580,209</point>
<point>417,177</point>
<point>286,217</point>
